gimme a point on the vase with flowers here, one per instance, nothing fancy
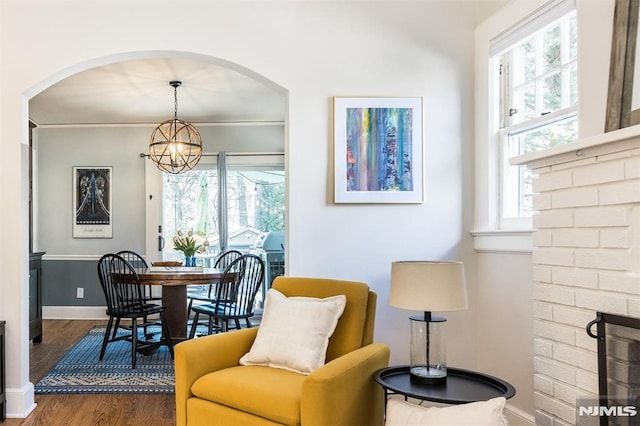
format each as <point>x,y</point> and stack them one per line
<point>189,244</point>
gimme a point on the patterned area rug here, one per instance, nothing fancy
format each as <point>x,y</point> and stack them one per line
<point>80,371</point>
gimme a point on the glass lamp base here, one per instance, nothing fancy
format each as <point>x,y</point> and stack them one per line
<point>429,376</point>
<point>428,362</point>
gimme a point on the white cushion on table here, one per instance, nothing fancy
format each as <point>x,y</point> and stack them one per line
<point>482,413</point>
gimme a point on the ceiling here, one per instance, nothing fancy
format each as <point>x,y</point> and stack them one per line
<point>138,92</point>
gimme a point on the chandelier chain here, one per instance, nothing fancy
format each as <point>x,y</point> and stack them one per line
<point>175,103</point>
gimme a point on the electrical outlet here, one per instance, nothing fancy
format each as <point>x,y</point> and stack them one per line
<point>80,292</point>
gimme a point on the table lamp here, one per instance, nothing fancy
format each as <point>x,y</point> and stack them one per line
<point>428,286</point>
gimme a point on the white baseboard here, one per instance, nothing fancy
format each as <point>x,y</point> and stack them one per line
<point>20,402</point>
<point>517,417</point>
<point>74,312</point>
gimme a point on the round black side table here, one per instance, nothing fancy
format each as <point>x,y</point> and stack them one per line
<point>462,386</point>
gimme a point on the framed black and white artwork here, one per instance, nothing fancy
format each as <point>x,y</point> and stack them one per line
<point>92,192</point>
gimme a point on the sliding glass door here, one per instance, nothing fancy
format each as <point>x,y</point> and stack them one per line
<point>189,202</point>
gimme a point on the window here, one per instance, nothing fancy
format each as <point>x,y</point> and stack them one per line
<point>537,97</point>
<point>255,203</point>
<point>190,202</point>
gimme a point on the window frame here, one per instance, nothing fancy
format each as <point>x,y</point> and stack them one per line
<point>493,35</point>
<point>510,184</point>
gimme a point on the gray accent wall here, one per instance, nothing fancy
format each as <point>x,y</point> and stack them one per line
<point>70,262</point>
<point>59,150</point>
<point>61,278</point>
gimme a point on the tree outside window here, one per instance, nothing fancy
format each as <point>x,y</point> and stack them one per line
<point>255,204</point>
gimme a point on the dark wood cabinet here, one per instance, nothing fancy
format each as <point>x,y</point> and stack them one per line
<point>3,385</point>
<point>35,297</point>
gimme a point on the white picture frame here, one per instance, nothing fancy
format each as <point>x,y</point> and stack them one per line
<point>378,150</point>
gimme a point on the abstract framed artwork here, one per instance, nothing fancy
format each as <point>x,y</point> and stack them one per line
<point>378,156</point>
<point>92,202</point>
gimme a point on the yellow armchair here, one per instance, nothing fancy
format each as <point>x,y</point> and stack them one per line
<point>212,388</point>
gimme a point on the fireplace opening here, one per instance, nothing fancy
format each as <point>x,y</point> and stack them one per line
<point>618,372</point>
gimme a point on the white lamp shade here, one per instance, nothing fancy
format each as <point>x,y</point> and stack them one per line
<point>428,286</point>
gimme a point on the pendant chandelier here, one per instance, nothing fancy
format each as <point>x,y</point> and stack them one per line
<point>175,145</point>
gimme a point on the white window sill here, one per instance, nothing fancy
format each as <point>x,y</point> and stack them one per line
<point>512,241</point>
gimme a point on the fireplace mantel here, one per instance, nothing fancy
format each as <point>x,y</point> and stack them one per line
<point>606,143</point>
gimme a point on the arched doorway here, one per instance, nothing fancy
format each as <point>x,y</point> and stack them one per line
<point>86,72</point>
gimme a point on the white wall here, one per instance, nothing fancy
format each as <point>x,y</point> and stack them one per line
<point>505,325</point>
<point>314,50</point>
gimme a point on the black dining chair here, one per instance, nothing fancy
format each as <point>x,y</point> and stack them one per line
<point>140,265</point>
<point>125,300</point>
<point>234,297</point>
<point>206,292</point>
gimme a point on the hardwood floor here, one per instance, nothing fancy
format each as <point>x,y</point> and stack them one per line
<point>83,410</point>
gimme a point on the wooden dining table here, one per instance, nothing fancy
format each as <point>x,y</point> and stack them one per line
<point>174,282</point>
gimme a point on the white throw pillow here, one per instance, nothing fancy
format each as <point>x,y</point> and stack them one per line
<point>482,413</point>
<point>294,332</point>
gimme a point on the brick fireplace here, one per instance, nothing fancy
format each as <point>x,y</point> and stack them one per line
<point>586,258</point>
